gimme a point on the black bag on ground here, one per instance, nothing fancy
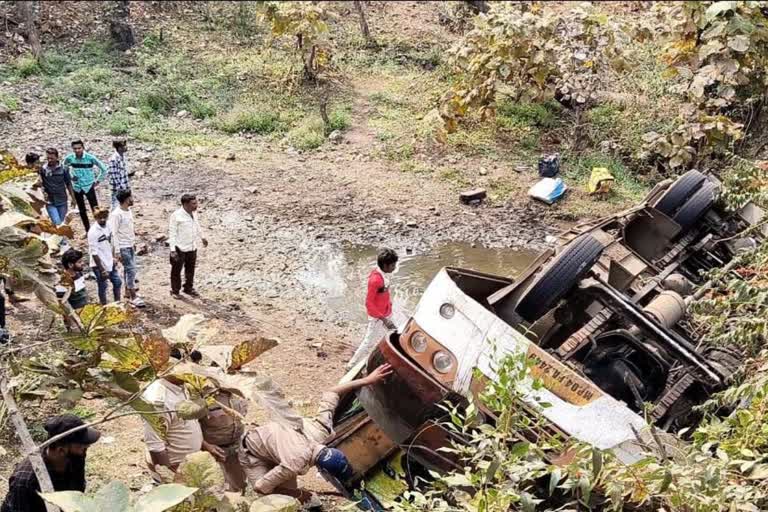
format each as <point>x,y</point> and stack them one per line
<point>549,166</point>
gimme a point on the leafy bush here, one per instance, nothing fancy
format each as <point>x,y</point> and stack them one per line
<point>119,125</point>
<point>11,102</point>
<point>531,55</point>
<point>309,134</point>
<point>512,114</point>
<point>339,119</point>
<point>250,120</point>
<point>26,66</point>
<point>89,84</point>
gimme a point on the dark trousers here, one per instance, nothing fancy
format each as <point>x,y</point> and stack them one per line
<point>2,311</point>
<point>92,200</point>
<point>187,261</point>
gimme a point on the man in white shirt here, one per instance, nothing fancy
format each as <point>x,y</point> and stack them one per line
<point>121,223</point>
<point>102,256</point>
<point>184,233</point>
<point>182,437</point>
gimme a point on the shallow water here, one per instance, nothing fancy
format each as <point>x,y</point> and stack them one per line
<point>340,273</point>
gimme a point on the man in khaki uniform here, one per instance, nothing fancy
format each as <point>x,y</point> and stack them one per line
<point>273,454</point>
<point>222,432</point>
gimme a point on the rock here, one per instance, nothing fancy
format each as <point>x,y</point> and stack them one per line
<point>182,113</point>
<point>275,503</point>
<point>521,168</point>
<point>483,171</point>
<point>252,190</point>
<point>473,196</point>
<point>132,110</point>
<point>231,157</point>
<point>412,224</point>
<point>161,238</point>
<point>144,159</point>
<point>5,113</point>
<point>143,250</point>
<point>335,136</point>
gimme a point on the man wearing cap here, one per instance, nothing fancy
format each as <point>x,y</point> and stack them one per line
<point>273,454</point>
<point>65,460</point>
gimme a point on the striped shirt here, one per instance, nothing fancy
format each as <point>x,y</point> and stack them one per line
<point>81,170</point>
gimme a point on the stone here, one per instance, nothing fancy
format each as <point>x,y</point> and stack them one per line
<point>412,224</point>
<point>472,196</point>
<point>161,238</point>
<point>335,136</point>
<point>132,110</point>
<point>483,171</point>
<point>143,250</point>
<point>231,157</point>
<point>182,113</point>
<point>252,190</point>
<point>5,113</point>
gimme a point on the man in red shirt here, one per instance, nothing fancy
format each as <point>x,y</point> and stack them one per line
<point>378,304</point>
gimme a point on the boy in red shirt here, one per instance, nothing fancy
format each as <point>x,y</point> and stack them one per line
<point>378,304</point>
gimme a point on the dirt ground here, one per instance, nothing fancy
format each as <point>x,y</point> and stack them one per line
<point>269,215</point>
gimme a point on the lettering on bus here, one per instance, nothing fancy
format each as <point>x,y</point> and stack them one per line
<point>561,380</point>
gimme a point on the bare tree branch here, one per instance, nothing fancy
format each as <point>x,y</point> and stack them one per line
<point>35,458</point>
<point>26,11</point>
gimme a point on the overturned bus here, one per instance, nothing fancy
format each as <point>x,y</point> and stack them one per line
<point>602,319</point>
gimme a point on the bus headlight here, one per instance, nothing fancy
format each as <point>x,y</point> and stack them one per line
<point>419,342</point>
<point>442,361</point>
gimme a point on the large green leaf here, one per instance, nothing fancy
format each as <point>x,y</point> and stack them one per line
<point>115,497</point>
<point>154,420</point>
<point>163,497</point>
<point>72,501</point>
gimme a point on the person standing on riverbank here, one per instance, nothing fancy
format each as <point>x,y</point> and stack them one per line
<point>56,185</point>
<point>84,180</point>
<point>118,171</point>
<point>184,233</point>
<point>378,305</point>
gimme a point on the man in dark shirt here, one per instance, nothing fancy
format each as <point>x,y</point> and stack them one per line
<point>56,184</point>
<point>65,460</point>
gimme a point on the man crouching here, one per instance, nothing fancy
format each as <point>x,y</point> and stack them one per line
<point>273,455</point>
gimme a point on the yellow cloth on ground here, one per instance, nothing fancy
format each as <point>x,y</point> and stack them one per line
<point>600,181</point>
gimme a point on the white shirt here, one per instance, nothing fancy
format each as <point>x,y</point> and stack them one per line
<point>121,223</point>
<point>183,436</point>
<point>184,231</point>
<point>100,244</point>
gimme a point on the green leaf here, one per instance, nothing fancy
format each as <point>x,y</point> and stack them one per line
<point>114,496</point>
<point>72,501</point>
<point>163,497</point>
<point>554,479</point>
<point>597,462</point>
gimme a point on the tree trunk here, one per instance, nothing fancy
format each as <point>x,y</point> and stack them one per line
<point>324,114</point>
<point>120,26</point>
<point>363,22</point>
<point>38,465</point>
<point>26,12</point>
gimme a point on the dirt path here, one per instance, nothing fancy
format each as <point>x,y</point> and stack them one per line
<point>267,215</point>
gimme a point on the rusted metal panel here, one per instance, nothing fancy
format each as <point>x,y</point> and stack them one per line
<point>365,446</point>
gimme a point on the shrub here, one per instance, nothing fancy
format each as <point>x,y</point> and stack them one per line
<point>119,125</point>
<point>89,84</point>
<point>164,97</point>
<point>339,119</point>
<point>11,102</point>
<point>251,120</point>
<point>310,134</point>
<point>26,66</point>
<point>202,109</point>
<point>512,114</point>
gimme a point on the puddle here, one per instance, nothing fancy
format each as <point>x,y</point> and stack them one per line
<point>340,273</point>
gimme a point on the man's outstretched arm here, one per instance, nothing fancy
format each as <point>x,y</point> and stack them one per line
<point>377,375</point>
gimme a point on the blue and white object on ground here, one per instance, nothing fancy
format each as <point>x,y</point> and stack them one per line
<point>548,190</point>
